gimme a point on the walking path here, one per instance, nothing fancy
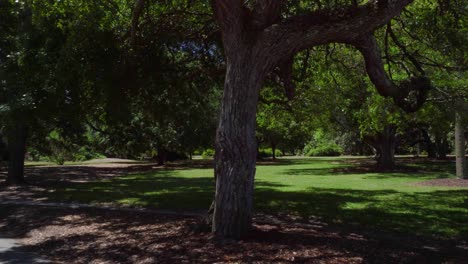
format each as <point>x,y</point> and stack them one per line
<point>11,253</point>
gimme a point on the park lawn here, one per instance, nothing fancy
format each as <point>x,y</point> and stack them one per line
<point>328,188</point>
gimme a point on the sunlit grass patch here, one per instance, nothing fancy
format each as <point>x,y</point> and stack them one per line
<point>329,188</point>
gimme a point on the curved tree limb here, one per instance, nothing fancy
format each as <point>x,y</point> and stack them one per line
<point>409,94</point>
<point>402,47</point>
<point>230,14</point>
<point>285,73</point>
<point>370,50</point>
<point>137,10</point>
<point>267,13</point>
<point>323,27</point>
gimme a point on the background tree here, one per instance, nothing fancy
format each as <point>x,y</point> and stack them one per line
<point>30,51</point>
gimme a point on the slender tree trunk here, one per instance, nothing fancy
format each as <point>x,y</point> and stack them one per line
<point>236,149</point>
<point>460,148</point>
<point>386,159</point>
<point>430,146</point>
<point>17,150</point>
<point>162,156</point>
<point>273,150</point>
<point>258,148</point>
<point>441,146</point>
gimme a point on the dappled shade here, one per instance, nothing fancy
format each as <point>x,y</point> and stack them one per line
<point>347,192</point>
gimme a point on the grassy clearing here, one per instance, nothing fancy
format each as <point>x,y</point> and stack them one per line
<point>328,188</point>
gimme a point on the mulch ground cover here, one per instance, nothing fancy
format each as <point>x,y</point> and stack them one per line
<point>100,236</point>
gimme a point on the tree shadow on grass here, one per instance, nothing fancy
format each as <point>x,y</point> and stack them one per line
<point>439,213</point>
<point>161,189</point>
<point>436,212</point>
<point>442,213</point>
<point>400,171</point>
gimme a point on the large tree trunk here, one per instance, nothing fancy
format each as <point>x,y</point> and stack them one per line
<point>236,149</point>
<point>386,149</point>
<point>17,150</point>
<point>384,146</point>
<point>460,148</point>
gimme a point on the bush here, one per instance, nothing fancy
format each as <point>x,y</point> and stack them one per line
<point>266,153</point>
<point>208,153</point>
<point>84,154</point>
<point>60,154</point>
<point>322,144</point>
<point>329,149</point>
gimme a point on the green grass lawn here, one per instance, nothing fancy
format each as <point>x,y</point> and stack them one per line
<point>306,187</point>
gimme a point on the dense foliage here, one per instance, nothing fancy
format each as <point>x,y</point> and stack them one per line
<point>87,79</point>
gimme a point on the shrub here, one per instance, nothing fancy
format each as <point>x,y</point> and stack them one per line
<point>208,153</point>
<point>85,153</point>
<point>266,153</point>
<point>328,149</point>
<point>60,154</point>
<point>322,144</point>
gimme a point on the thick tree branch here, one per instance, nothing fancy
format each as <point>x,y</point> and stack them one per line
<point>286,75</point>
<point>402,47</point>
<point>230,14</point>
<point>267,13</point>
<point>409,94</point>
<point>369,48</point>
<point>233,20</point>
<point>137,10</point>
<point>323,27</point>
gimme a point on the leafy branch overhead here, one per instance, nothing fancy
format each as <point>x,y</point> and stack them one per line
<point>275,36</point>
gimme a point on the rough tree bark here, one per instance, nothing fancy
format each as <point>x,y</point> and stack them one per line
<point>17,150</point>
<point>462,170</point>
<point>236,148</point>
<point>384,144</point>
<point>256,39</point>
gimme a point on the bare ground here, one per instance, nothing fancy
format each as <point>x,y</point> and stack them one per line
<point>445,182</point>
